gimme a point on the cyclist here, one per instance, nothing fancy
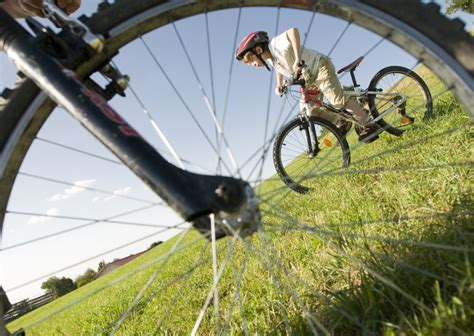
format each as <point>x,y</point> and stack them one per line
<point>23,8</point>
<point>284,53</point>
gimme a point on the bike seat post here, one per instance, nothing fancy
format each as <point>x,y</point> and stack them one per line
<point>354,81</point>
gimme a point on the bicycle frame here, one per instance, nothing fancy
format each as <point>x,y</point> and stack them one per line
<point>311,97</point>
<point>363,94</point>
<point>191,195</point>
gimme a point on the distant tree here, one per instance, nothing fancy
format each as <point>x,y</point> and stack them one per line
<point>58,287</point>
<point>101,266</point>
<point>154,244</point>
<point>85,278</point>
<point>462,5</point>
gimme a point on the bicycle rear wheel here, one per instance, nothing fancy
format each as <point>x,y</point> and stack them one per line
<point>293,162</point>
<point>393,84</point>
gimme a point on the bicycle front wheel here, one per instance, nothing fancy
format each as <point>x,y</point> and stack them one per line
<point>299,164</point>
<point>402,100</point>
<point>316,260</point>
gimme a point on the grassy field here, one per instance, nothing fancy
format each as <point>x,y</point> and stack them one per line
<point>382,247</point>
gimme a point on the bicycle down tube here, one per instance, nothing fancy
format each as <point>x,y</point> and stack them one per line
<point>191,195</point>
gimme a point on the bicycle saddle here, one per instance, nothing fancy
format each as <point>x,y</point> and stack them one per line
<point>351,66</point>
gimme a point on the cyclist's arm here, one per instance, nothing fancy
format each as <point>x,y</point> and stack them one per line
<point>279,84</point>
<point>279,78</point>
<point>293,35</point>
<point>23,8</point>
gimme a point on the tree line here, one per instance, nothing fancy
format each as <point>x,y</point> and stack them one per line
<point>61,286</point>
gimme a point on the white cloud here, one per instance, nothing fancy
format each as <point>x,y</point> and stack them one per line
<point>73,190</point>
<point>58,197</point>
<point>123,191</point>
<point>119,192</point>
<point>78,187</point>
<point>44,219</point>
<point>52,212</point>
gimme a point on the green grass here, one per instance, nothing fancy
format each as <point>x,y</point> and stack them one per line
<point>368,250</point>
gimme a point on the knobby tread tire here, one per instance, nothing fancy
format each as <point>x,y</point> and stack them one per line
<point>449,34</point>
<point>280,168</point>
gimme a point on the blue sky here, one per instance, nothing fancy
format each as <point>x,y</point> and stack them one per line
<point>246,115</point>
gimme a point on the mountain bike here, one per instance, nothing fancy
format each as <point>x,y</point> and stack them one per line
<point>396,97</point>
<point>287,300</point>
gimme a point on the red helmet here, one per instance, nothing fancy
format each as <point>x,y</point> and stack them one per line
<point>250,41</point>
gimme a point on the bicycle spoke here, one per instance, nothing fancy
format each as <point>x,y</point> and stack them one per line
<point>214,287</point>
<point>93,257</point>
<point>397,148</point>
<point>80,186</point>
<point>214,271</point>
<point>285,227</point>
<point>110,284</point>
<point>187,108</point>
<point>178,293</point>
<point>157,128</point>
<point>267,116</point>
<point>82,226</point>
<point>349,23</point>
<point>237,296</point>
<point>78,150</point>
<point>231,68</point>
<point>268,266</point>
<point>152,278</point>
<point>321,235</point>
<point>212,112</point>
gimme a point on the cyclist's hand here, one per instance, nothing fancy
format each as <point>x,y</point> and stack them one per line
<point>69,6</point>
<point>24,8</point>
<point>297,68</point>
<point>279,90</point>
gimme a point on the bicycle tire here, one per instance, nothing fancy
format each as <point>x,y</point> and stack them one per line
<point>421,109</point>
<point>111,21</point>
<point>294,183</point>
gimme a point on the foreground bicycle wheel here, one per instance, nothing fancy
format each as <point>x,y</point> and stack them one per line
<point>384,246</point>
<point>394,84</point>
<point>293,162</point>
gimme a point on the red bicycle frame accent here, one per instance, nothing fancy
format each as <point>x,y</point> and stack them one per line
<point>311,96</point>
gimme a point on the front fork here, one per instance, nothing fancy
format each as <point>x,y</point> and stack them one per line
<point>310,134</point>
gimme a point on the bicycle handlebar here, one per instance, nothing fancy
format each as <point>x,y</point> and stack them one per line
<point>295,79</point>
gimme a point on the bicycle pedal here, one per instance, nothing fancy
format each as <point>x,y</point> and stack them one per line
<point>407,120</point>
